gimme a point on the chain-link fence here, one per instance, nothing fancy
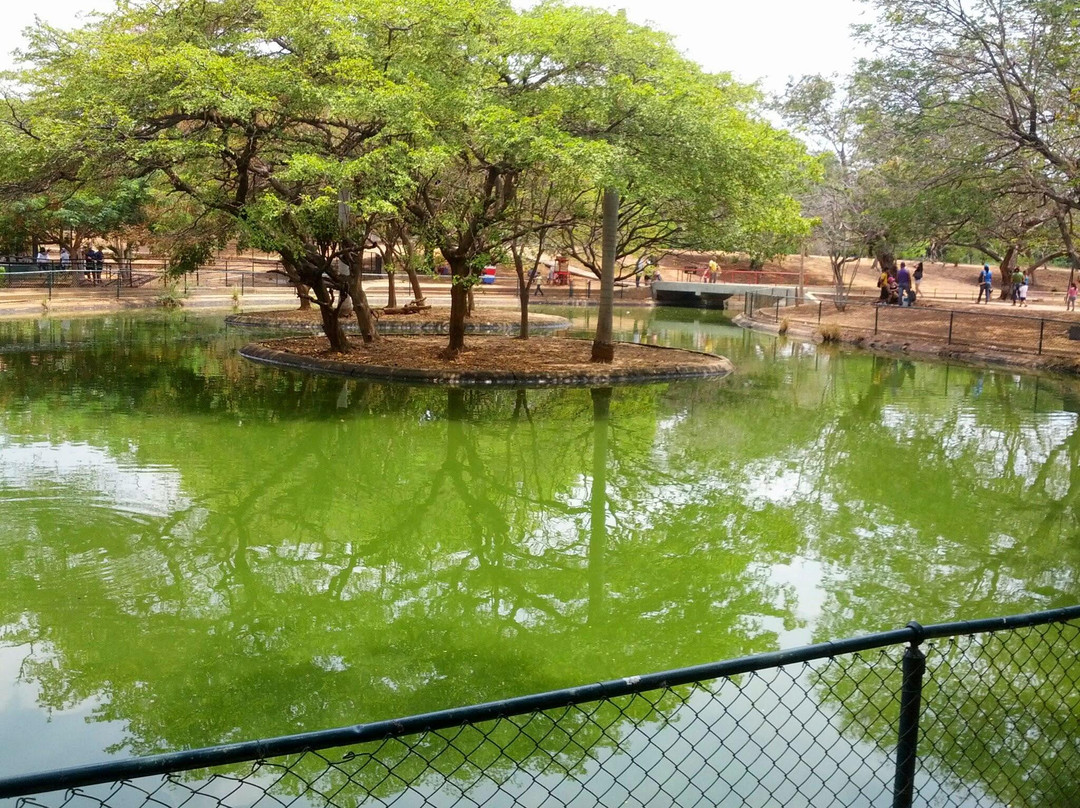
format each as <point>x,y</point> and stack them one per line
<point>996,327</point>
<point>984,713</point>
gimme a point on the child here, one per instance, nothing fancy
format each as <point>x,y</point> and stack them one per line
<point>1021,292</point>
<point>1070,297</point>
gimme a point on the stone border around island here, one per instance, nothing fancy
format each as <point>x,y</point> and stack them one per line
<point>718,368</point>
<point>537,322</point>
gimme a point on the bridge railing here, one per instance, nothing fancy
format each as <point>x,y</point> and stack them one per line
<point>979,713</point>
<point>762,277</point>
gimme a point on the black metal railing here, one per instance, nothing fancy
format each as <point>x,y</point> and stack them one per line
<point>998,326</point>
<point>979,713</point>
<point>235,273</point>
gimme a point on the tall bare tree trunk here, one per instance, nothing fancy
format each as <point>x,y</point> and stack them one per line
<point>603,349</point>
<point>523,292</point>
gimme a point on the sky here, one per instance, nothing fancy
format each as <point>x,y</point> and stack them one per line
<point>762,41</point>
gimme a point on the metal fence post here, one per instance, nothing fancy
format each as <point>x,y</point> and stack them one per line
<point>777,309</point>
<point>819,313</point>
<point>877,311</point>
<point>951,315</point>
<point>907,742</point>
<point>1042,326</point>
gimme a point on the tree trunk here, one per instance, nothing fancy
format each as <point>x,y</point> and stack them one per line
<point>1006,270</point>
<point>362,309</point>
<point>603,349</point>
<point>886,258</point>
<point>471,300</point>
<point>391,290</point>
<point>302,292</point>
<point>333,329</point>
<point>414,281</point>
<point>459,305</point>
<point>1064,220</point>
<point>523,293</point>
<point>1046,259</point>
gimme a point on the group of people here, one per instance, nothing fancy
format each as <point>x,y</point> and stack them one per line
<point>900,287</point>
<point>92,264</point>
<point>1019,285</point>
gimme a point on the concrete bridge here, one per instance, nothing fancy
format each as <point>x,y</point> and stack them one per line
<point>715,295</point>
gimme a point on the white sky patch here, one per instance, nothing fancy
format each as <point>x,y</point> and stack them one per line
<point>1029,447</point>
<point>92,471</point>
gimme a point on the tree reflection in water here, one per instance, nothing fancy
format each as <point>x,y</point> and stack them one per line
<point>332,552</point>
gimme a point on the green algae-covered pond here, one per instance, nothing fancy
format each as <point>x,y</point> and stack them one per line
<point>197,550</point>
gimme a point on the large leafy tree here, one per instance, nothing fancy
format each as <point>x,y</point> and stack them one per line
<point>989,87</point>
<point>268,113</point>
<point>314,125</point>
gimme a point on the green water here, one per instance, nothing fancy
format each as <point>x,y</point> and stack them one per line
<point>196,550</point>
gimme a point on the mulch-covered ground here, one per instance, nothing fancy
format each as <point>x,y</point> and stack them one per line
<point>488,360</point>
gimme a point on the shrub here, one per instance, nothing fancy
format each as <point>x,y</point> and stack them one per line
<point>172,297</point>
<point>830,333</point>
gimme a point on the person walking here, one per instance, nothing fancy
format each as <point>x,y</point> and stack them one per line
<point>903,282</point>
<point>42,261</point>
<point>714,270</point>
<point>1017,280</point>
<point>1070,297</point>
<point>986,284</point>
<point>1022,292</point>
<point>88,264</point>
<point>917,277</point>
<point>99,264</point>
<point>534,282</point>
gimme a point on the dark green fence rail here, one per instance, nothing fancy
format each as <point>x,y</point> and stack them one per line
<point>979,713</point>
<point>998,326</point>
